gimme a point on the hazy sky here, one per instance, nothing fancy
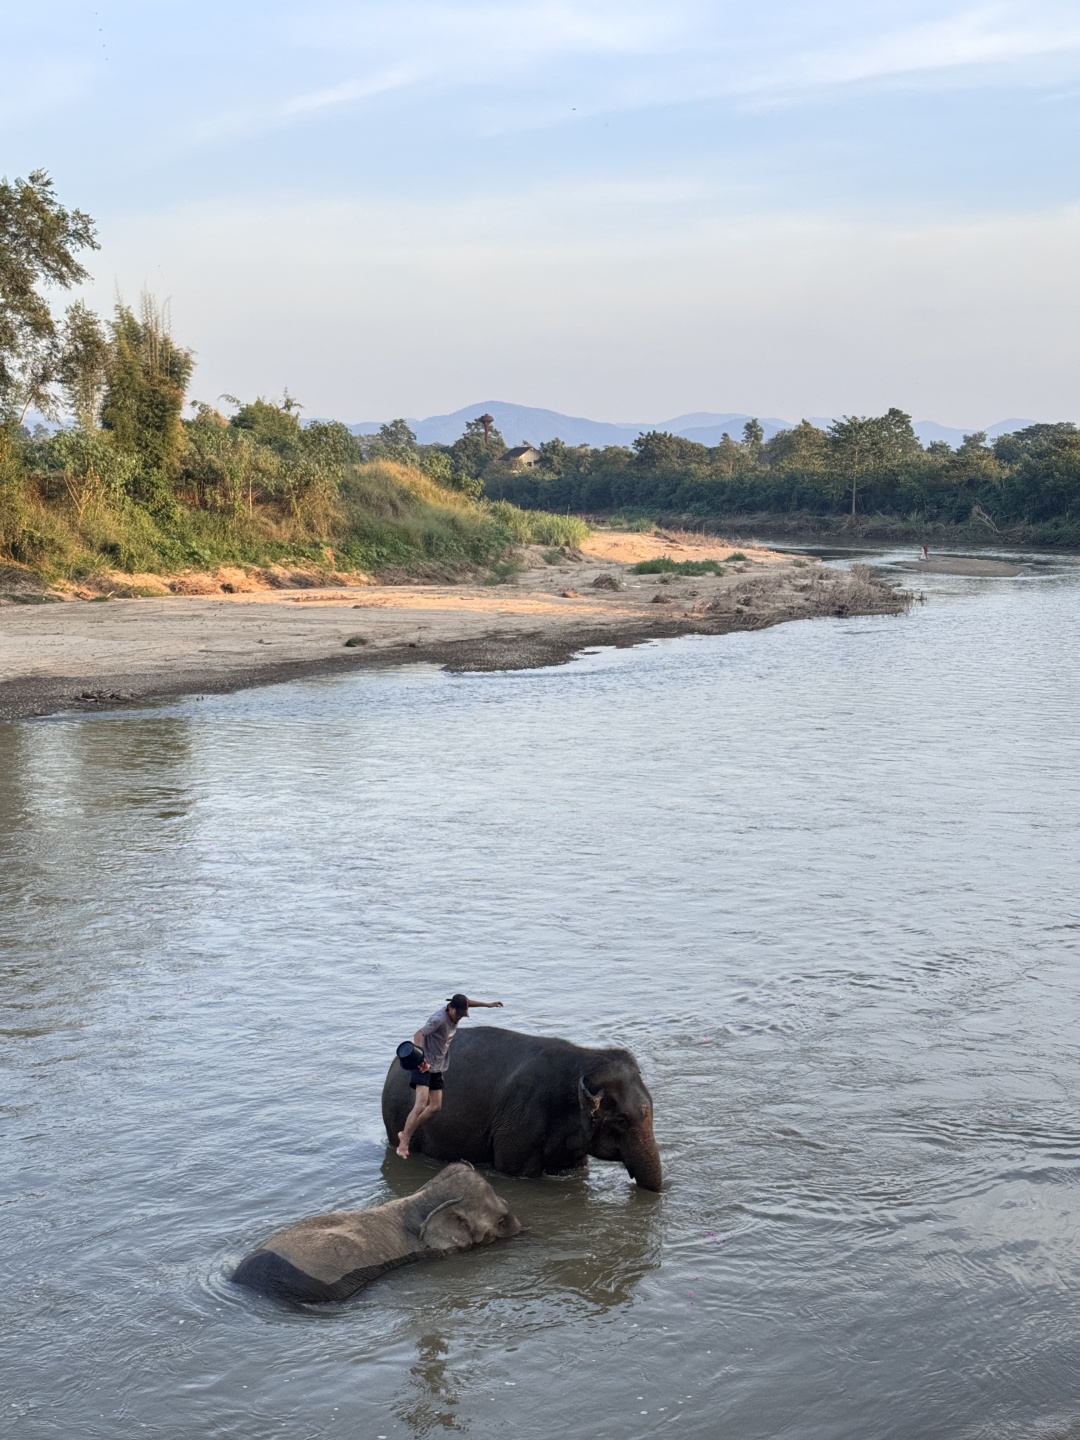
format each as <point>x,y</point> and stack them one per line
<point>613,208</point>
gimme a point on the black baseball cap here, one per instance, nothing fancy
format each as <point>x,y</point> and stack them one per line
<point>460,1003</point>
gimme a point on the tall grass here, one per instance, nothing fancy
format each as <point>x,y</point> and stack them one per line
<point>538,527</point>
<point>394,516</point>
<point>664,565</point>
<point>74,520</point>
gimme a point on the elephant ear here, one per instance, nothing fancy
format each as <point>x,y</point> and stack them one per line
<point>446,1228</point>
<point>589,1099</point>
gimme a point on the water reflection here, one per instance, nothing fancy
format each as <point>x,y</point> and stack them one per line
<point>431,1401</point>
<point>590,1237</point>
<point>88,815</point>
<point>15,741</point>
<point>67,770</point>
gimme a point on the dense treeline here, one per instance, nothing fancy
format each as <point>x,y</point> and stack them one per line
<point>131,480</point>
<point>127,482</point>
<point>860,467</point>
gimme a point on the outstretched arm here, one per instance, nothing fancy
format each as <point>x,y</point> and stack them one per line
<point>418,1041</point>
<point>485,1004</point>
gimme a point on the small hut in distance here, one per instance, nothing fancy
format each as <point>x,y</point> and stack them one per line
<point>522,457</point>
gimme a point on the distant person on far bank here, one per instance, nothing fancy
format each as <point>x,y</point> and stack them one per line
<point>926,552</point>
<point>434,1038</point>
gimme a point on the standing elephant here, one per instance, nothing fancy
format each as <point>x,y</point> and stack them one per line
<point>330,1257</point>
<point>530,1104</point>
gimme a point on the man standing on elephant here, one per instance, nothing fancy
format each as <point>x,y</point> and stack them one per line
<point>434,1039</point>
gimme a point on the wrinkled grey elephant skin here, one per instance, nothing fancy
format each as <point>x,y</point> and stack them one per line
<point>530,1104</point>
<point>330,1257</point>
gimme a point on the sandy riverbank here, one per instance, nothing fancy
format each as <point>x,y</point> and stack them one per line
<point>963,565</point>
<point>88,654</point>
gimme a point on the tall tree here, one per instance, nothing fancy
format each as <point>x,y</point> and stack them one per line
<point>661,452</point>
<point>727,458</point>
<point>147,377</point>
<point>394,441</point>
<point>83,363</point>
<point>553,456</point>
<point>39,241</point>
<point>852,443</point>
<point>472,454</point>
<point>897,441</point>
<point>398,434</point>
<point>803,448</point>
<point>753,437</point>
<point>868,446</point>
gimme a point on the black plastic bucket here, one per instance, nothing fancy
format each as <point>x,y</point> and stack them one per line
<point>410,1056</point>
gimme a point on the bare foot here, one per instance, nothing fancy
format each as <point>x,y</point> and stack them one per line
<point>403,1146</point>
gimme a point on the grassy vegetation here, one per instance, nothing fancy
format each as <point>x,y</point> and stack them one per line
<point>664,565</point>
<point>634,522</point>
<point>502,572</point>
<point>538,527</point>
<point>66,512</point>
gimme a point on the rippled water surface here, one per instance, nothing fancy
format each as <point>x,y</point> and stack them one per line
<point>822,880</point>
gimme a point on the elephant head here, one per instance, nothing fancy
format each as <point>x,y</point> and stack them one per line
<point>618,1114</point>
<point>473,1215</point>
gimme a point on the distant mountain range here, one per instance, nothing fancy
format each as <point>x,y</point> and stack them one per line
<point>519,424</point>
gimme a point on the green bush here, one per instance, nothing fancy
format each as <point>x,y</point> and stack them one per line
<point>633,521</point>
<point>538,527</point>
<point>548,529</point>
<point>664,565</point>
<point>502,572</point>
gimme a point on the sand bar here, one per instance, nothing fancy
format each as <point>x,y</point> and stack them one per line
<point>94,654</point>
<point>963,565</point>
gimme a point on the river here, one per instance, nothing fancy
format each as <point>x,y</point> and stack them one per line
<point>821,879</point>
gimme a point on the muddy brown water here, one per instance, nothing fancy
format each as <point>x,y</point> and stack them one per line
<point>821,879</point>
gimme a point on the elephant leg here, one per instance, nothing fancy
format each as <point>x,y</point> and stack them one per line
<point>515,1154</point>
<point>532,1167</point>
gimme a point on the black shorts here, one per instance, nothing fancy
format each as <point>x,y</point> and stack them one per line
<point>432,1079</point>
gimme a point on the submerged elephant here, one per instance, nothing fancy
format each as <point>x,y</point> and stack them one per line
<point>527,1104</point>
<point>330,1257</point>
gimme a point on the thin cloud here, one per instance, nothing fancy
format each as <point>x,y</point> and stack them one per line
<point>337,96</point>
<point>257,120</point>
<point>481,36</point>
<point>996,43</point>
<point>492,42</point>
<point>518,63</point>
<point>495,69</point>
<point>988,36</point>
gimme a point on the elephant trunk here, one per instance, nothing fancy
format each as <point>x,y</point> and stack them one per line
<point>641,1156</point>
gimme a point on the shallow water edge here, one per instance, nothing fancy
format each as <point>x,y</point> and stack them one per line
<point>755,603</point>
